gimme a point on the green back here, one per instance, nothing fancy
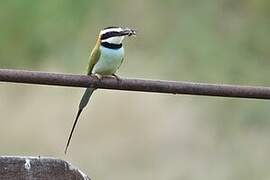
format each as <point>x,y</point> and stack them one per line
<point>93,58</point>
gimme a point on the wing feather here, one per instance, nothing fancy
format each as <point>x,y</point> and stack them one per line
<point>94,57</point>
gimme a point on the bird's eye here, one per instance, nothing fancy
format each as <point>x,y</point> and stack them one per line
<point>109,34</point>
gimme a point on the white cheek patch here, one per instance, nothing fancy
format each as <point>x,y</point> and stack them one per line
<point>114,40</point>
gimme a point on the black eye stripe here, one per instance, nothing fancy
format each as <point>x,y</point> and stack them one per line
<point>110,34</point>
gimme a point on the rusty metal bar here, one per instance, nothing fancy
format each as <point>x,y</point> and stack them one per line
<point>174,87</point>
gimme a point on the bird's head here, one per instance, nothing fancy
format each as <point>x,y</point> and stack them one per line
<point>115,35</point>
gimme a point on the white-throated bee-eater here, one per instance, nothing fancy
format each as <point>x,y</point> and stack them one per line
<point>105,59</point>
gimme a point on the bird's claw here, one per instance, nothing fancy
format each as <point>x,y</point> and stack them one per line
<point>116,77</point>
<point>99,76</point>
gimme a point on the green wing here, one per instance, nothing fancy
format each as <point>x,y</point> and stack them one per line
<point>120,63</point>
<point>94,56</point>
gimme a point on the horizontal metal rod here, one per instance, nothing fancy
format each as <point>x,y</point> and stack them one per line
<point>174,87</point>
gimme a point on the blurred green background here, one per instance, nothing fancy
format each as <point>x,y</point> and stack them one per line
<point>131,135</point>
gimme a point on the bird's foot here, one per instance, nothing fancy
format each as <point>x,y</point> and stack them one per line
<point>116,77</point>
<point>99,76</point>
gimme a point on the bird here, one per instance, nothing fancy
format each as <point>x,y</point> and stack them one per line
<point>104,60</point>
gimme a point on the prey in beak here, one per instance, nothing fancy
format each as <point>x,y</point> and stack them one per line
<point>128,32</point>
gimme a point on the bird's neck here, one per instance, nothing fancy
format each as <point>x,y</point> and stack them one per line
<point>111,45</point>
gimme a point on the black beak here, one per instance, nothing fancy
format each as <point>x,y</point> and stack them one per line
<point>128,32</point>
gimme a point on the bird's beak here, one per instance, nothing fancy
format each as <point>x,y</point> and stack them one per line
<point>128,32</point>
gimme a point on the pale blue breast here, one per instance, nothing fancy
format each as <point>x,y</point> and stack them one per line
<point>109,61</point>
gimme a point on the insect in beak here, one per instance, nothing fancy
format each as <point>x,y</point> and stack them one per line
<point>128,32</point>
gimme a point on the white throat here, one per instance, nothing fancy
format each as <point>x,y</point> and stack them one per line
<point>114,40</point>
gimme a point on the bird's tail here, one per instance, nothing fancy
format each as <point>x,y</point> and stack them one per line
<point>84,101</point>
